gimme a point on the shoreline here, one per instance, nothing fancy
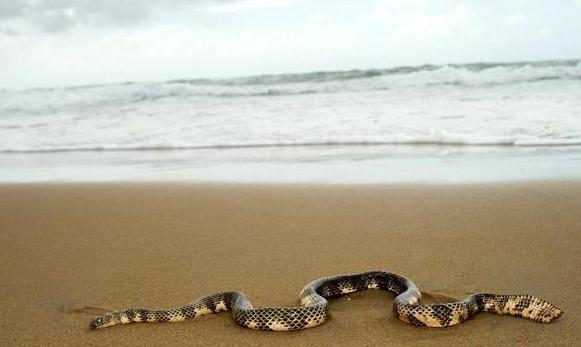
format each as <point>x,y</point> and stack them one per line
<point>336,165</point>
<point>70,250</point>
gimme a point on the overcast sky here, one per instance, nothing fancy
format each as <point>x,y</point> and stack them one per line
<point>75,42</point>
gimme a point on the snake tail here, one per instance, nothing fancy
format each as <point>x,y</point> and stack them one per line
<point>525,306</point>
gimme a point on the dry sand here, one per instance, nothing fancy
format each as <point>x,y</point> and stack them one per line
<point>69,251</point>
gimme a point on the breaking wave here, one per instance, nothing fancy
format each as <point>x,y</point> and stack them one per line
<point>534,104</point>
<point>480,74</point>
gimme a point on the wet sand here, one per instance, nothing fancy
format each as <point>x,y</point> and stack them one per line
<point>68,252</point>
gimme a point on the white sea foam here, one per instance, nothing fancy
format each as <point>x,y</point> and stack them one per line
<point>522,105</point>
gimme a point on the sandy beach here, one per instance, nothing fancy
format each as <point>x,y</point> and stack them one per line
<point>69,252</point>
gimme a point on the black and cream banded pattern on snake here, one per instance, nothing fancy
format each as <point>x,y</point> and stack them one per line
<point>315,307</point>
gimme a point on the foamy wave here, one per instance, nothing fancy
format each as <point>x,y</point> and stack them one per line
<point>419,142</point>
<point>467,106</point>
<point>41,101</point>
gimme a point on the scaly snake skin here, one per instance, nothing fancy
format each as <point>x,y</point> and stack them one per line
<point>315,307</point>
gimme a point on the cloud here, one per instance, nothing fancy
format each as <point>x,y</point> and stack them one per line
<point>516,18</point>
<point>546,31</point>
<point>243,5</point>
<point>53,16</point>
<point>319,17</point>
<point>61,15</point>
<point>399,4</point>
<point>8,31</point>
<point>10,9</point>
<point>424,20</point>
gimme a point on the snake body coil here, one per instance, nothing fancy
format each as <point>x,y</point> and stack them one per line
<point>315,307</point>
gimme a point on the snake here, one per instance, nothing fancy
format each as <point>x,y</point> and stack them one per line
<point>314,306</point>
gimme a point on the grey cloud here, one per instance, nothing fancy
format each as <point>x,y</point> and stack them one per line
<point>11,8</point>
<point>61,15</point>
<point>8,31</point>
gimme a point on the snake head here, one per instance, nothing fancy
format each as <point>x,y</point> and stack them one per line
<point>103,321</point>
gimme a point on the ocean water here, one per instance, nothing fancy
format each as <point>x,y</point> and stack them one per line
<point>230,128</point>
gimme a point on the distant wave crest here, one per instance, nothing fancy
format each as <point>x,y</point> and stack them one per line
<point>481,74</point>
